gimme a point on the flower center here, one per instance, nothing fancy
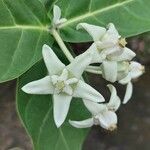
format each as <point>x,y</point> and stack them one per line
<point>60,85</point>
<point>64,83</point>
<point>122,42</point>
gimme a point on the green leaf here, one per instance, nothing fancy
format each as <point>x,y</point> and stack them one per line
<point>35,111</point>
<point>23,31</point>
<point>131,17</point>
<point>48,4</point>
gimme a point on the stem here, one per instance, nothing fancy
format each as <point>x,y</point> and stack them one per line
<point>97,68</point>
<point>61,44</point>
<point>93,71</point>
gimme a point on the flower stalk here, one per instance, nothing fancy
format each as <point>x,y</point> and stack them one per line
<point>61,44</point>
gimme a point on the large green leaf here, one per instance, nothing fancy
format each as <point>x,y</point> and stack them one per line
<point>131,17</point>
<point>23,31</point>
<point>36,113</point>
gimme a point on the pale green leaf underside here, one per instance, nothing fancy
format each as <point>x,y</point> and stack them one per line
<point>23,31</point>
<point>37,116</point>
<point>131,17</point>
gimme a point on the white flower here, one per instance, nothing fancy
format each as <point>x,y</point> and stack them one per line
<point>102,114</point>
<point>64,83</point>
<point>135,70</point>
<point>57,20</point>
<point>109,48</point>
<point>107,43</point>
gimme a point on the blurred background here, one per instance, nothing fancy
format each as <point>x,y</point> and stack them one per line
<point>133,131</point>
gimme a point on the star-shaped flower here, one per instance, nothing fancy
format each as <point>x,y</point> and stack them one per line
<point>57,20</point>
<point>64,83</point>
<point>107,43</point>
<point>102,114</point>
<point>109,48</point>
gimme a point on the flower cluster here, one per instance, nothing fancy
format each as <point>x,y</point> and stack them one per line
<point>65,82</point>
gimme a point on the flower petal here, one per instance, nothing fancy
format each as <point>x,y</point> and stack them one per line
<point>112,32</point>
<point>79,64</point>
<point>68,90</point>
<point>109,70</point>
<point>94,108</point>
<point>97,56</point>
<point>136,69</point>
<point>85,91</point>
<point>42,86</point>
<point>123,69</point>
<point>64,75</point>
<point>128,94</point>
<point>72,81</point>
<point>125,80</point>
<point>108,120</point>
<point>126,55</point>
<point>114,102</point>
<point>56,14</point>
<point>82,124</point>
<point>53,64</point>
<point>61,21</point>
<point>61,104</point>
<point>96,32</point>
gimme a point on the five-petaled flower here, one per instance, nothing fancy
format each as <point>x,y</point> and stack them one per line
<point>109,48</point>
<point>64,82</point>
<point>102,114</point>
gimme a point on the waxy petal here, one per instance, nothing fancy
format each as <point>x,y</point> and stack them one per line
<point>97,56</point>
<point>68,90</point>
<point>78,65</point>
<point>125,56</point>
<point>62,20</point>
<point>94,108</point>
<point>128,94</point>
<point>42,86</point>
<point>112,32</point>
<point>56,14</point>
<point>61,104</point>
<point>125,80</point>
<point>136,69</point>
<point>85,91</point>
<point>108,120</point>
<point>114,102</point>
<point>95,32</point>
<point>53,64</point>
<point>109,70</point>
<point>64,75</point>
<point>82,124</point>
<point>103,45</point>
<point>72,81</point>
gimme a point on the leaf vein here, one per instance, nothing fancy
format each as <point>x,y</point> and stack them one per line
<point>15,51</point>
<point>33,14</point>
<point>64,139</point>
<point>13,19</point>
<point>89,14</point>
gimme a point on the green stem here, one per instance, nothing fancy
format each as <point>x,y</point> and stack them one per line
<point>93,71</point>
<point>61,44</point>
